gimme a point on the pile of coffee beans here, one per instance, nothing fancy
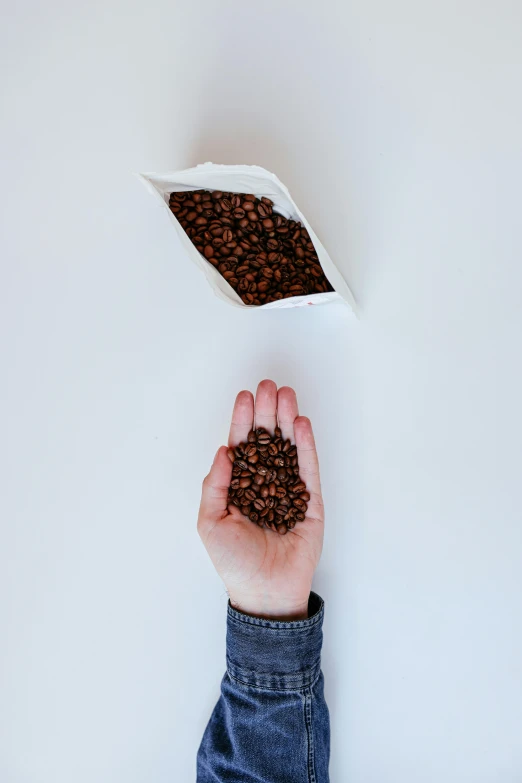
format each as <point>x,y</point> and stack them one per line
<point>263,255</point>
<point>265,482</point>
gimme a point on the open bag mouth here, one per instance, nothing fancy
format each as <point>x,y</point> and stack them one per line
<point>241,227</point>
<point>263,255</point>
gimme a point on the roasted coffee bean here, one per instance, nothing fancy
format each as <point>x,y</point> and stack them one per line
<point>277,250</point>
<point>264,492</point>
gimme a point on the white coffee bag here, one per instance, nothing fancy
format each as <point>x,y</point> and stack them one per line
<point>259,182</point>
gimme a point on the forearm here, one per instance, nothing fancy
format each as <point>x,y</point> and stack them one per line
<point>271,722</point>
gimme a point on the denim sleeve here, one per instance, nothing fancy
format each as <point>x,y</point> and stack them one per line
<point>271,722</point>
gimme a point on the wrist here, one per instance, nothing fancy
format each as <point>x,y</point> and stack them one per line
<point>271,608</point>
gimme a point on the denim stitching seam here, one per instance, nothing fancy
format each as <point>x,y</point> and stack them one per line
<point>301,680</point>
<point>310,737</point>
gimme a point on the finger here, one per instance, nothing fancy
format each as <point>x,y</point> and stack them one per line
<point>266,405</point>
<point>287,412</point>
<point>309,465</point>
<point>242,418</point>
<point>214,493</point>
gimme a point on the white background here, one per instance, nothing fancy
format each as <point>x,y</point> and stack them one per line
<point>397,127</point>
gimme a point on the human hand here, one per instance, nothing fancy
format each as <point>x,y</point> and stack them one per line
<point>265,574</point>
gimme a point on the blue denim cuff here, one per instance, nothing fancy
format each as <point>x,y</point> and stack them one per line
<point>275,655</point>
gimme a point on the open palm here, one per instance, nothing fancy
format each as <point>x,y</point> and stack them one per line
<point>266,574</point>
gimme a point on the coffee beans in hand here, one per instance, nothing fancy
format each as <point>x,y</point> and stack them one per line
<point>265,483</point>
<point>263,255</point>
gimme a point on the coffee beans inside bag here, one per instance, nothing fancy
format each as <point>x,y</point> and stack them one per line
<point>241,227</point>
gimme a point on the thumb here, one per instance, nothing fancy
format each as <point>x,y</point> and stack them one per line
<point>214,494</point>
